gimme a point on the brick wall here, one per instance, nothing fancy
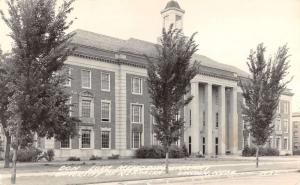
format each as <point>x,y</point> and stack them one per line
<point>98,95</point>
<point>140,99</point>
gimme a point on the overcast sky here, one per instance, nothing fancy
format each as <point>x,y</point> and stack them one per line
<point>227,29</point>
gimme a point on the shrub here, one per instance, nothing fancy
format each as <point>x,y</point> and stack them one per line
<point>48,155</point>
<point>268,152</point>
<point>247,151</point>
<point>94,157</point>
<point>185,150</point>
<point>114,156</point>
<point>199,155</point>
<point>296,152</point>
<point>73,158</point>
<point>28,154</point>
<point>176,152</point>
<point>251,151</point>
<point>157,152</point>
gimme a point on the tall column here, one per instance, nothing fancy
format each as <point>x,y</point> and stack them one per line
<point>222,121</point>
<point>209,122</point>
<point>234,120</point>
<point>195,131</point>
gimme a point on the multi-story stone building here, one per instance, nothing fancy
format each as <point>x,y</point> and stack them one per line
<point>110,96</point>
<point>296,131</point>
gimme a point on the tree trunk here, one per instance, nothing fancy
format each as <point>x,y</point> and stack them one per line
<point>7,151</point>
<point>167,161</point>
<point>257,150</point>
<point>14,166</point>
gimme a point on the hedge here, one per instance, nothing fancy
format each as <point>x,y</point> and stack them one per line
<point>157,151</point>
<point>296,152</point>
<point>263,151</point>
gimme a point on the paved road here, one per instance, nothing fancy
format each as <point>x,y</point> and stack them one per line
<point>291,178</point>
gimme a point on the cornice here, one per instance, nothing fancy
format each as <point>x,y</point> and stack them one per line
<point>120,61</point>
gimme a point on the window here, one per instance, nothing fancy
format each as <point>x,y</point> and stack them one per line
<point>152,120</point>
<point>203,118</point>
<point>136,86</point>
<point>278,108</point>
<point>177,143</point>
<point>136,139</point>
<point>86,79</point>
<point>217,120</point>
<point>285,125</point>
<point>70,105</point>
<point>65,143</point>
<point>86,138</point>
<point>105,111</point>
<point>105,138</point>
<point>178,17</point>
<point>177,116</point>
<point>285,143</point>
<point>154,139</point>
<point>152,123</point>
<point>277,143</point>
<point>67,83</point>
<point>86,108</point>
<point>286,107</point>
<point>277,125</point>
<point>270,141</point>
<point>105,81</point>
<point>136,111</point>
<point>166,21</point>
<point>178,21</point>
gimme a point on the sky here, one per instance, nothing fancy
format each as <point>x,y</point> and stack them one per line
<point>226,29</point>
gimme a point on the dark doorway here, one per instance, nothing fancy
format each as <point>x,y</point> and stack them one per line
<point>217,144</point>
<point>203,145</point>
<point>190,145</point>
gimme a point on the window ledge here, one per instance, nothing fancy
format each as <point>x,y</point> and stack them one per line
<point>86,87</point>
<point>87,120</point>
<point>137,93</point>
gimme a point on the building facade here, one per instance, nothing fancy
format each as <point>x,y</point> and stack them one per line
<point>296,131</point>
<point>109,94</point>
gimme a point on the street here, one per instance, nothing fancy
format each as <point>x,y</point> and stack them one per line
<point>292,178</point>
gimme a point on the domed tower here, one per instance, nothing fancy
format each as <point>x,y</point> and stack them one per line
<point>172,14</point>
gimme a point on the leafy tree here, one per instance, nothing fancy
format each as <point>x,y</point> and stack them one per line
<point>5,92</point>
<point>168,82</point>
<point>39,104</point>
<point>262,92</point>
